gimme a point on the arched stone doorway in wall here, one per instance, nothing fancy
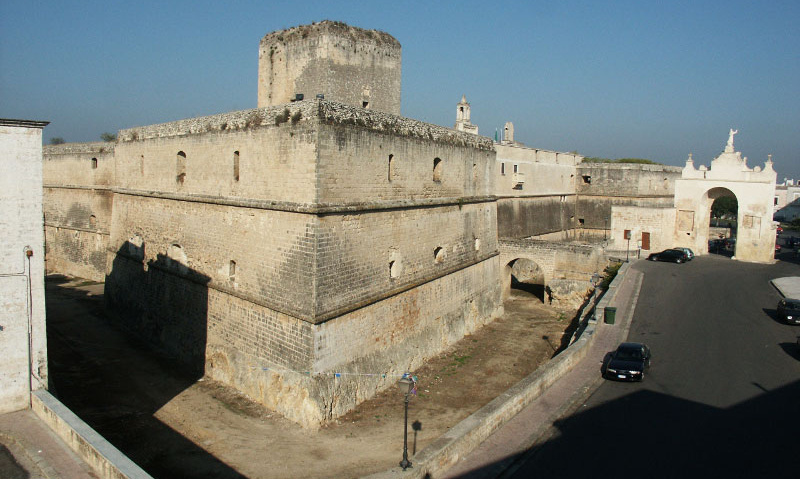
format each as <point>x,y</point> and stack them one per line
<point>524,278</point>
<point>721,212</point>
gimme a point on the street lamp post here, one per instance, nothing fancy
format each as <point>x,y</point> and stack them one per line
<point>595,281</point>
<point>406,384</point>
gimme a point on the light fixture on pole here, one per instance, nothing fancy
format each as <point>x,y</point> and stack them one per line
<point>595,282</point>
<point>406,384</point>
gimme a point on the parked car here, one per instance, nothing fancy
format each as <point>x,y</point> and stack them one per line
<point>777,248</point>
<point>628,362</point>
<point>673,255</point>
<point>789,310</point>
<point>778,230</point>
<point>689,253</point>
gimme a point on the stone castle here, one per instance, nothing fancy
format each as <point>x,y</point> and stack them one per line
<point>309,251</point>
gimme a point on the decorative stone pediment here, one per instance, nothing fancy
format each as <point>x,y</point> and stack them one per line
<point>730,166</point>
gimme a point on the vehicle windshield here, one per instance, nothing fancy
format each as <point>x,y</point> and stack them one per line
<point>629,354</point>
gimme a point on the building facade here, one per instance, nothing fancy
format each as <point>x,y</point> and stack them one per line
<point>23,339</point>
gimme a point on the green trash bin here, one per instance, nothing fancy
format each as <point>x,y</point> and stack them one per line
<point>610,315</point>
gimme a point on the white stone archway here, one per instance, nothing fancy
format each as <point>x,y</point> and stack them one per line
<point>754,189</point>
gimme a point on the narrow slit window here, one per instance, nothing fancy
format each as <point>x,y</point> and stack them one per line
<point>437,169</point>
<point>235,166</point>
<point>94,163</point>
<point>391,167</point>
<point>180,167</point>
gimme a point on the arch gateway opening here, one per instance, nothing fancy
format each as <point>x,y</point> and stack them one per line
<point>723,210</point>
<point>689,222</point>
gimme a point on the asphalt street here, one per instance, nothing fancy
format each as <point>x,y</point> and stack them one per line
<point>722,395</point>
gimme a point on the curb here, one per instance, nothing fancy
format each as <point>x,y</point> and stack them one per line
<point>460,440</point>
<point>104,459</point>
<point>549,430</point>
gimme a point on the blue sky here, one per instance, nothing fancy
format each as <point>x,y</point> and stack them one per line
<point>615,79</point>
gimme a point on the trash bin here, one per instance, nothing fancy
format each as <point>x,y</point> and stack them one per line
<point>609,315</point>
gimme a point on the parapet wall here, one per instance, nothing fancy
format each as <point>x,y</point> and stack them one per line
<point>632,180</point>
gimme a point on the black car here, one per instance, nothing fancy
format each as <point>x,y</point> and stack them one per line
<point>672,255</point>
<point>789,310</point>
<point>628,362</point>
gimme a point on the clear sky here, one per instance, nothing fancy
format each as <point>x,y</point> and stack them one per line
<point>615,79</point>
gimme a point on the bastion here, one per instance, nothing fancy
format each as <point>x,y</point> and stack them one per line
<point>306,254</point>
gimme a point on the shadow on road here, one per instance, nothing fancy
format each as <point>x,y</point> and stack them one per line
<point>664,436</point>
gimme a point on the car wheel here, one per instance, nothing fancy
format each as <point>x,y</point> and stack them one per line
<point>679,261</point>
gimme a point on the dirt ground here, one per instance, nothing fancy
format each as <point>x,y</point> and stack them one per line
<point>174,425</point>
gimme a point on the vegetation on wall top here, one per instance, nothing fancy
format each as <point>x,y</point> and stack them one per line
<point>640,161</point>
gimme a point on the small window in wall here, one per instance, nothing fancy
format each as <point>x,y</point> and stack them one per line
<point>232,269</point>
<point>438,254</point>
<point>516,168</point>
<point>581,221</point>
<point>141,164</point>
<point>92,221</point>
<point>391,167</point>
<point>474,172</point>
<point>394,269</point>
<point>437,169</point>
<point>502,168</point>
<point>587,180</point>
<point>94,163</point>
<point>365,104</point>
<point>180,167</point>
<point>627,234</point>
<point>776,201</point>
<point>235,166</point>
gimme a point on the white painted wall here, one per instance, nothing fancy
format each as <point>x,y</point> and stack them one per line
<point>22,312</point>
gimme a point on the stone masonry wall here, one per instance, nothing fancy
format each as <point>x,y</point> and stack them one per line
<point>77,207</point>
<point>240,238</point>
<point>534,216</point>
<point>345,64</point>
<point>391,336</point>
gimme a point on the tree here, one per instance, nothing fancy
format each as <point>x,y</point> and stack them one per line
<point>724,206</point>
<point>108,137</point>
<point>57,140</point>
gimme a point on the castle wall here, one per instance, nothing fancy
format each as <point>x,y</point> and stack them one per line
<point>316,242</point>
<point>77,207</point>
<point>657,222</point>
<point>346,64</point>
<point>603,186</point>
<point>393,335</point>
<point>535,216</point>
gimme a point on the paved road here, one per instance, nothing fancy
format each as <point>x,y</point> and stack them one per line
<point>722,395</point>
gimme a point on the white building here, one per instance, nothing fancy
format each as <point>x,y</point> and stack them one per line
<point>23,339</point>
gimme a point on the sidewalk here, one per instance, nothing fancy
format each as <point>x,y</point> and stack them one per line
<point>35,451</point>
<point>534,424</point>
